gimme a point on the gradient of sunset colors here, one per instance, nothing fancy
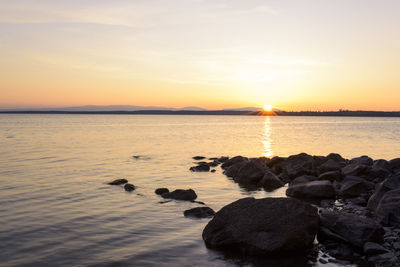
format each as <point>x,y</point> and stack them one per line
<point>294,55</point>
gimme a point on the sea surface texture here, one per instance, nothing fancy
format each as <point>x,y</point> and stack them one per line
<point>56,207</point>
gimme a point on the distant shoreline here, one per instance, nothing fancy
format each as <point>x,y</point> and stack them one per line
<point>221,112</point>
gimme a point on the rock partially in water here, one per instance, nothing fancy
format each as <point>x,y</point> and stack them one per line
<point>129,187</point>
<point>388,209</point>
<point>198,157</point>
<point>270,181</point>
<point>181,194</point>
<point>213,170</point>
<point>233,161</point>
<point>263,226</point>
<point>250,172</point>
<point>199,212</point>
<point>311,190</point>
<point>350,228</point>
<point>160,191</point>
<point>118,182</point>
<point>200,168</point>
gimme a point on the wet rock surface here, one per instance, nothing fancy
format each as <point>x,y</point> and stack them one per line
<point>160,191</point>
<point>360,218</point>
<point>129,187</point>
<point>263,226</point>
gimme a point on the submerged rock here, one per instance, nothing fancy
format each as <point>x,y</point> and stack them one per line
<point>129,187</point>
<point>118,182</point>
<point>312,190</point>
<point>181,194</point>
<point>199,212</point>
<point>198,157</point>
<point>160,191</point>
<point>263,226</point>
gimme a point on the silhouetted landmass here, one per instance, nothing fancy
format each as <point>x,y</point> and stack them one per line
<point>341,113</point>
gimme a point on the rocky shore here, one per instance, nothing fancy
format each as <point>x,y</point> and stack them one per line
<point>351,207</point>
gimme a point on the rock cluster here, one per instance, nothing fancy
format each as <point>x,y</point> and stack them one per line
<point>358,199</point>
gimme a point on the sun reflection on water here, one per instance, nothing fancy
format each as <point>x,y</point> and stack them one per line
<point>267,141</point>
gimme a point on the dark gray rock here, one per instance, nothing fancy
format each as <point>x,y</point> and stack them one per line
<point>275,160</point>
<point>350,228</point>
<point>118,182</point>
<point>232,170</point>
<point>391,183</point>
<point>363,160</point>
<point>388,209</point>
<point>356,169</point>
<point>331,176</point>
<point>371,248</point>
<point>160,191</point>
<point>233,161</point>
<point>198,157</point>
<point>312,190</point>
<point>331,165</point>
<point>353,186</point>
<point>181,194</point>
<point>394,165</point>
<point>129,187</point>
<point>303,179</point>
<point>270,181</point>
<point>200,168</point>
<point>380,170</point>
<point>222,159</point>
<point>213,170</point>
<point>199,212</point>
<point>250,173</point>
<point>335,157</point>
<point>263,226</point>
<point>300,164</point>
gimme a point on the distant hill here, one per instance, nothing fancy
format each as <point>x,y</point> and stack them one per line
<point>109,108</point>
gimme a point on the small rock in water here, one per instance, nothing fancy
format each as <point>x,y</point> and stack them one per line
<point>200,168</point>
<point>118,182</point>
<point>198,157</point>
<point>181,194</point>
<point>129,187</point>
<point>160,191</point>
<point>213,170</point>
<point>199,212</point>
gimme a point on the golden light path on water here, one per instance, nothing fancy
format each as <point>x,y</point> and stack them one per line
<point>267,141</point>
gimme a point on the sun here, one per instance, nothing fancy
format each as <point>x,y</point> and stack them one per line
<point>267,107</point>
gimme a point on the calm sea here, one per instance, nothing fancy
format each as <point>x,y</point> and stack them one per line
<point>56,208</point>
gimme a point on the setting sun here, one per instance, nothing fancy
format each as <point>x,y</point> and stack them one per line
<point>267,107</point>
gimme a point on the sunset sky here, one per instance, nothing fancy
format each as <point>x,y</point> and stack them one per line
<point>294,55</point>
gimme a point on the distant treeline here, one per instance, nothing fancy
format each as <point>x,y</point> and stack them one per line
<point>341,113</point>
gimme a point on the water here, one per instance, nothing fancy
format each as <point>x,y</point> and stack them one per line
<point>56,208</point>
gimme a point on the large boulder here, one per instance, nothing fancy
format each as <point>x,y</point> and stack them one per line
<point>311,190</point>
<point>391,183</point>
<point>350,228</point>
<point>263,226</point>
<point>356,169</point>
<point>363,160</point>
<point>331,176</point>
<point>270,181</point>
<point>380,170</point>
<point>300,164</point>
<point>388,209</point>
<point>353,186</point>
<point>232,170</point>
<point>181,194</point>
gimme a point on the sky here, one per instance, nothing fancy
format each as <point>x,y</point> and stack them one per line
<point>294,55</point>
